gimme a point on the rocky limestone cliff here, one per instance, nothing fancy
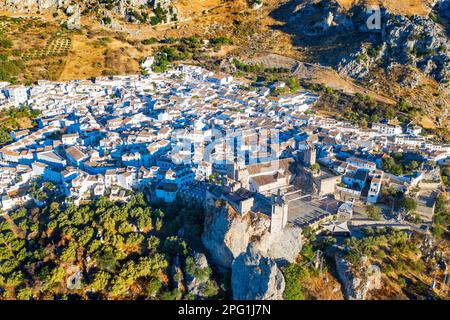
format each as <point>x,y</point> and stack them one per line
<point>356,284</point>
<point>417,41</point>
<point>227,234</point>
<point>319,18</point>
<point>176,276</point>
<point>119,6</point>
<point>74,13</point>
<point>197,276</point>
<point>191,276</point>
<point>245,244</point>
<point>32,5</point>
<point>163,3</point>
<point>442,7</point>
<point>410,41</point>
<point>256,4</point>
<point>255,277</point>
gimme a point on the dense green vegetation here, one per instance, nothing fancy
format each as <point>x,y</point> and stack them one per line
<point>218,42</point>
<point>374,212</point>
<point>267,74</point>
<point>20,112</point>
<point>161,15</point>
<point>149,41</point>
<point>292,86</point>
<point>390,165</point>
<point>409,204</point>
<point>360,108</point>
<point>4,137</point>
<point>10,120</point>
<point>441,222</point>
<point>122,251</point>
<point>397,199</point>
<point>380,237</point>
<point>176,50</point>
<point>5,43</point>
<point>107,20</point>
<point>180,49</point>
<point>297,272</point>
<point>398,164</point>
<point>396,252</point>
<point>398,256</point>
<point>445,174</point>
<point>10,67</point>
<point>293,275</point>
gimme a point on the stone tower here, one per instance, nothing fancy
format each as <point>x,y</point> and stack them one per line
<point>309,155</point>
<point>279,216</point>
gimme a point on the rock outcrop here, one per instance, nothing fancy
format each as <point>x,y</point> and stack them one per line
<point>124,8</point>
<point>410,41</point>
<point>356,284</point>
<point>244,244</point>
<point>255,277</point>
<point>32,5</point>
<point>417,41</point>
<point>227,234</point>
<point>395,39</point>
<point>320,18</point>
<point>355,67</point>
<point>197,275</point>
<point>256,4</point>
<point>74,13</point>
<point>176,276</point>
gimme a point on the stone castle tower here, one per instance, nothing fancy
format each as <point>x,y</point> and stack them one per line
<point>279,216</point>
<point>309,155</point>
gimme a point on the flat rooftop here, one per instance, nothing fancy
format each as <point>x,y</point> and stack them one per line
<point>307,210</point>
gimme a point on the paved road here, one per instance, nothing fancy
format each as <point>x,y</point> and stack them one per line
<point>383,223</point>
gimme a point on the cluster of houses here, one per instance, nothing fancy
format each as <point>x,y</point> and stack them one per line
<point>195,134</point>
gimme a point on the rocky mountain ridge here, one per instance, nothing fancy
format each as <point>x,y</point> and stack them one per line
<point>123,8</point>
<point>356,284</point>
<point>255,277</point>
<point>414,41</point>
<point>32,5</point>
<point>363,37</point>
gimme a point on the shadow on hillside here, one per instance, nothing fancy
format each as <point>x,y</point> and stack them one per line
<point>444,21</point>
<point>327,48</point>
